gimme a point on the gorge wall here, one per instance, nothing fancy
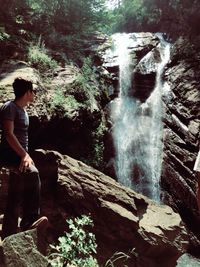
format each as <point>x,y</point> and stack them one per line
<point>71,133</point>
<point>181,120</point>
<point>181,133</point>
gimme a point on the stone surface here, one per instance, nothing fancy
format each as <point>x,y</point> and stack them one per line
<point>188,261</point>
<point>23,250</point>
<point>13,69</point>
<point>181,133</point>
<point>63,76</point>
<point>123,220</point>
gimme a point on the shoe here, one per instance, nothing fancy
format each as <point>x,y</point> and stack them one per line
<point>40,224</point>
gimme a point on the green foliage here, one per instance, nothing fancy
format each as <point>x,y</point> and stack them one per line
<point>85,87</point>
<point>88,77</point>
<point>77,247</point>
<point>129,15</point>
<point>38,57</point>
<point>3,35</point>
<point>71,17</point>
<point>171,16</point>
<point>96,157</point>
<point>76,95</point>
<point>62,104</point>
<point>63,23</point>
<point>60,22</point>
<point>86,90</point>
<point>122,258</point>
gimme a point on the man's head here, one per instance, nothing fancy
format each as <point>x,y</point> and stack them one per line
<point>21,87</point>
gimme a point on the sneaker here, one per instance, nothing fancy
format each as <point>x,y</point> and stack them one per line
<point>40,224</point>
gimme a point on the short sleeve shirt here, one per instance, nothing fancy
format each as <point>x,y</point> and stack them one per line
<point>11,111</point>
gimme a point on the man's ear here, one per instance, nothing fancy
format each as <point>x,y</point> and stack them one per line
<point>28,93</point>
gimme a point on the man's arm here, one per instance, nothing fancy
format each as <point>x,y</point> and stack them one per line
<point>26,161</point>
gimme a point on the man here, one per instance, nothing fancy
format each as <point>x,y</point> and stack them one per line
<point>24,180</point>
<point>197,169</point>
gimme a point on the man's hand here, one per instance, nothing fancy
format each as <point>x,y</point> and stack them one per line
<point>25,163</point>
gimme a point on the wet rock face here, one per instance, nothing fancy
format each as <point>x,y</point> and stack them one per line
<point>143,85</point>
<point>144,75</point>
<point>181,133</point>
<point>143,79</point>
<point>144,59</point>
<point>143,52</point>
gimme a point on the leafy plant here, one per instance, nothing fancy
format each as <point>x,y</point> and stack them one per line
<point>63,104</point>
<point>86,81</point>
<point>77,247</point>
<point>120,256</point>
<point>95,158</point>
<point>38,57</point>
<point>79,94</point>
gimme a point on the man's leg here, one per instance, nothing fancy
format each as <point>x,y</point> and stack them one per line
<point>198,190</point>
<point>31,197</point>
<point>10,221</point>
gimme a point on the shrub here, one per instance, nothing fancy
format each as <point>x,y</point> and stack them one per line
<point>95,157</point>
<point>77,246</point>
<point>38,57</point>
<point>63,104</point>
<point>85,86</point>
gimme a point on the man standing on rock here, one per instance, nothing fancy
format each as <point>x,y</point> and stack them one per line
<point>24,180</point>
<point>197,169</point>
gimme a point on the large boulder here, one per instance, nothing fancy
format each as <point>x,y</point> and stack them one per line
<point>23,250</point>
<point>123,219</point>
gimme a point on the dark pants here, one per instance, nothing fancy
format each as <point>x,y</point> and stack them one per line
<point>24,189</point>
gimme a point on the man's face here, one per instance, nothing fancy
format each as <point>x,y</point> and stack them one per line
<point>31,95</point>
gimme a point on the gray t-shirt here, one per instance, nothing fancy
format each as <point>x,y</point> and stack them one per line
<point>11,111</point>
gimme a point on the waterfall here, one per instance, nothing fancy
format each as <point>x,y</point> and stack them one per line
<point>137,126</point>
<point>156,126</point>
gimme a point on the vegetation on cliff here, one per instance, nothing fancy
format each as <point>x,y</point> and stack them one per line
<point>175,17</point>
<point>62,24</point>
<point>53,33</point>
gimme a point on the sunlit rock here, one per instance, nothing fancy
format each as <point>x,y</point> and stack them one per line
<point>123,220</point>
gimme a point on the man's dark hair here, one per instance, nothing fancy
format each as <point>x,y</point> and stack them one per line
<point>21,86</point>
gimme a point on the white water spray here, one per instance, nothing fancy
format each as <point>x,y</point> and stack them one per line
<point>137,130</point>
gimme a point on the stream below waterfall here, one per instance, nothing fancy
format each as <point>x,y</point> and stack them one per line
<point>137,125</point>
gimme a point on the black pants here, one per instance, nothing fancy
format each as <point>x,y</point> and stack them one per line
<point>24,189</point>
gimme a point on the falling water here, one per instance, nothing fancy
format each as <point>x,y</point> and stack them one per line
<point>137,130</point>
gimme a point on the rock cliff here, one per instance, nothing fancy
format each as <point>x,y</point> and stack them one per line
<point>181,117</point>
<point>72,133</point>
<point>181,133</point>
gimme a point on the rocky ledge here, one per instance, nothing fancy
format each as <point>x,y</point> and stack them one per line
<point>123,219</point>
